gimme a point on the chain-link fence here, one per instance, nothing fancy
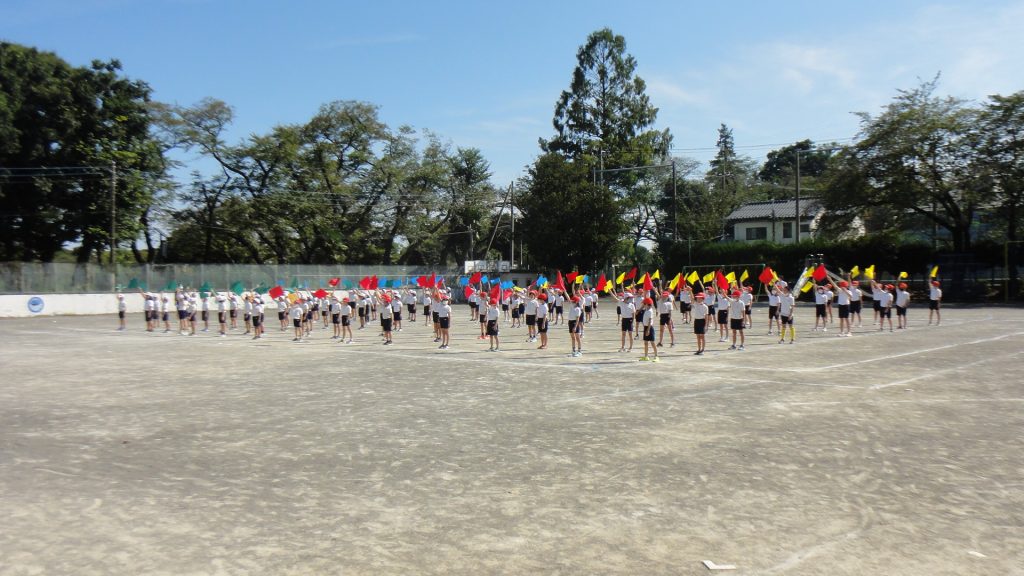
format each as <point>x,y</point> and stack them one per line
<point>70,278</point>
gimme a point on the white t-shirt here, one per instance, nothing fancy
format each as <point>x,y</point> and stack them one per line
<point>665,306</point>
<point>573,312</point>
<point>773,298</point>
<point>444,310</point>
<point>295,313</point>
<point>786,304</point>
<point>934,293</point>
<point>737,309</point>
<point>492,313</point>
<point>542,310</point>
<point>531,307</point>
<point>648,317</point>
<point>843,297</point>
<point>700,311</point>
<point>902,298</point>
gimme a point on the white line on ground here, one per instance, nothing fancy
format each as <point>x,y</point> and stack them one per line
<point>946,371</point>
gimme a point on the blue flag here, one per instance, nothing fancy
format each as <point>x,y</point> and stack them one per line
<point>484,280</point>
<point>396,283</point>
<point>463,281</point>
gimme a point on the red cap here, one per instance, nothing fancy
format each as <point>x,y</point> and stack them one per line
<point>648,301</point>
<point>935,282</point>
<point>735,292</point>
<point>494,301</point>
<point>542,296</point>
<point>903,285</point>
<point>843,284</point>
<point>699,295</point>
<point>574,299</point>
<point>856,283</point>
<point>666,293</point>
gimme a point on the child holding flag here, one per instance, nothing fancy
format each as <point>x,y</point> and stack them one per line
<point>934,301</point>
<point>700,314</point>
<point>628,311</point>
<point>492,324</point>
<point>665,307</point>
<point>647,321</point>
<point>787,306</point>
<point>575,324</point>
<point>737,319</point>
<point>902,303</point>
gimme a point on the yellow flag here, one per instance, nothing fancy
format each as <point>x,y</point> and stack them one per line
<point>544,285</point>
<point>675,281</point>
<point>744,276</point>
<point>620,278</point>
<point>903,275</point>
<point>731,277</point>
<point>656,275</point>
<point>693,277</point>
<point>934,272</point>
<point>775,277</point>
<point>292,297</point>
<point>855,271</point>
<point>608,286</point>
<point>869,272</point>
<point>708,277</point>
<point>807,287</point>
<point>579,279</point>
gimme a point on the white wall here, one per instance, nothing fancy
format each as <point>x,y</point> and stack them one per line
<point>17,305</point>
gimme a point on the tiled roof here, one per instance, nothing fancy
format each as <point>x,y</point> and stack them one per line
<point>778,209</point>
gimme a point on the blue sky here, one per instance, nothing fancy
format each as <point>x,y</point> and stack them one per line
<point>487,74</point>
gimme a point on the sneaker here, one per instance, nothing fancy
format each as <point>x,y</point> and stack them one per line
<point>622,349</point>
<point>791,341</point>
<point>697,353</point>
<point>700,353</point>
<point>655,359</point>
<point>781,340</point>
<point>645,359</point>
<point>733,347</point>
<point>741,347</point>
<point>441,347</point>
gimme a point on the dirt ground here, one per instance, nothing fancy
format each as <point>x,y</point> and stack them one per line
<point>151,453</point>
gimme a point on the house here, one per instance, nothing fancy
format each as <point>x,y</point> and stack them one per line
<point>773,221</point>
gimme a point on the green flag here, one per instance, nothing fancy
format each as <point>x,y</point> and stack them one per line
<point>238,288</point>
<point>295,284</point>
<point>205,287</point>
<point>133,283</point>
<point>172,285</point>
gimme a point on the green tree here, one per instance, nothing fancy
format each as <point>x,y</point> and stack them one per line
<point>53,115</point>
<point>567,220</point>
<point>605,118</point>
<point>1001,163</point>
<point>913,162</point>
<point>728,178</point>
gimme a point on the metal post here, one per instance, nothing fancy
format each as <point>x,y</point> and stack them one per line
<point>675,209</point>
<point>113,210</point>
<point>797,203</point>
<point>512,243</point>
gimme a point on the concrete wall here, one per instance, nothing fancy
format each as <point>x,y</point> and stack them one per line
<point>21,305</point>
<point>24,305</point>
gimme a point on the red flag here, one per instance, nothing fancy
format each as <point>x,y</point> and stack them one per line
<point>421,282</point>
<point>475,278</point>
<point>434,281</point>
<point>648,285</point>
<point>819,273</point>
<point>276,292</point>
<point>468,291</point>
<point>495,292</point>
<point>321,293</point>
<point>365,283</point>
<point>721,281</point>
<point>631,274</point>
<point>333,282</point>
<point>766,275</point>
<point>571,276</point>
<point>558,282</point>
<point>508,293</point>
<point>601,281</point>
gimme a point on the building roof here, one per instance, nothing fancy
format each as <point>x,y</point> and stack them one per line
<point>779,209</point>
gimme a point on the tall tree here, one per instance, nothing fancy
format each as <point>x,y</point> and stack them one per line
<point>52,116</point>
<point>1001,162</point>
<point>729,176</point>
<point>605,118</point>
<point>567,220</point>
<point>913,161</point>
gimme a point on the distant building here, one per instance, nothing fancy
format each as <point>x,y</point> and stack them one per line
<point>773,221</point>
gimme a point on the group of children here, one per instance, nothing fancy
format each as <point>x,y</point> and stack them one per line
<point>723,309</point>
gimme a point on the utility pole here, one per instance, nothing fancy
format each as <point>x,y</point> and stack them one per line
<point>675,209</point>
<point>512,210</point>
<point>113,209</point>
<point>797,203</point>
